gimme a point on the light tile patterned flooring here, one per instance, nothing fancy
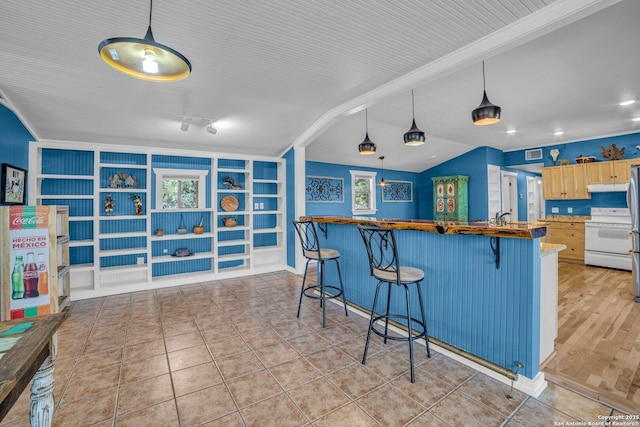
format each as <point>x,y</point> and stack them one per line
<point>232,353</point>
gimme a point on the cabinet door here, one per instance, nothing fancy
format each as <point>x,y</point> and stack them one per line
<point>552,183</point>
<point>599,173</point>
<point>622,170</point>
<point>575,181</point>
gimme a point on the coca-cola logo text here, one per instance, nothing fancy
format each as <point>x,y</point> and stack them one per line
<point>32,220</point>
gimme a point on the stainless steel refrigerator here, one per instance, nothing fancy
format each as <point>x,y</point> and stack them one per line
<point>633,200</point>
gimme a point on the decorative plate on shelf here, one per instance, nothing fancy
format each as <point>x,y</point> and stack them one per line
<point>229,203</point>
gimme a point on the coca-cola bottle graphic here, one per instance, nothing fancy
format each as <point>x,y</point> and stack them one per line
<point>43,275</point>
<point>30,277</point>
<point>17,285</point>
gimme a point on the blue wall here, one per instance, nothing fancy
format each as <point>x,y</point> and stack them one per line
<point>472,164</point>
<point>586,148</point>
<point>14,140</point>
<point>385,209</point>
<point>291,208</point>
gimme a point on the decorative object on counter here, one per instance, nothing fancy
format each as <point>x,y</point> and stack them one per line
<point>231,221</point>
<point>324,189</point>
<point>585,159</point>
<point>366,146</point>
<point>231,184</point>
<point>612,152</point>
<point>382,182</point>
<point>14,181</point>
<point>554,153</point>
<point>398,191</point>
<point>414,136</point>
<point>229,203</point>
<point>199,229</point>
<point>159,232</point>
<point>564,162</point>
<point>450,198</point>
<point>109,204</point>
<point>137,201</point>
<point>181,227</point>
<point>122,180</point>
<point>486,113</point>
<point>144,58</point>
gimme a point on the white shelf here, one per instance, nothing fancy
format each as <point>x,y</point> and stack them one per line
<point>119,217</point>
<point>122,234</point>
<point>118,252</point>
<point>80,243</point>
<point>266,181</point>
<point>233,191</point>
<point>123,269</point>
<point>123,190</point>
<point>80,218</point>
<point>183,236</point>
<point>233,257</point>
<point>228,229</point>
<point>271,248</point>
<point>267,230</point>
<point>233,213</point>
<point>173,211</point>
<point>81,267</point>
<point>233,170</point>
<point>233,242</point>
<point>58,176</point>
<point>268,212</point>
<point>65,197</point>
<point>170,258</point>
<point>62,239</point>
<point>122,166</point>
<point>266,196</point>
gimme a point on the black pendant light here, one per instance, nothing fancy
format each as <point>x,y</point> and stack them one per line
<point>414,136</point>
<point>382,182</point>
<point>486,113</point>
<point>367,146</point>
<point>145,58</point>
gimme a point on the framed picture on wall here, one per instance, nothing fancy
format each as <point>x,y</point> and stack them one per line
<point>14,181</point>
<point>398,191</point>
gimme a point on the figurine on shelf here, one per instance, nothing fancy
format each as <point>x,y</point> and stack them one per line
<point>137,202</point>
<point>115,181</point>
<point>130,181</point>
<point>229,182</point>
<point>108,205</point>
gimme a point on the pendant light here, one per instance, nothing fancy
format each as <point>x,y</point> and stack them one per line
<point>414,136</point>
<point>486,113</point>
<point>382,182</point>
<point>367,146</point>
<point>145,58</point>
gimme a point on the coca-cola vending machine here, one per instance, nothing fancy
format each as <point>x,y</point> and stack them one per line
<point>28,254</point>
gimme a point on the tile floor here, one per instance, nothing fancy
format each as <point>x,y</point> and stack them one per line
<point>232,353</point>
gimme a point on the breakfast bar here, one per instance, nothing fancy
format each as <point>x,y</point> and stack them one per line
<point>490,290</point>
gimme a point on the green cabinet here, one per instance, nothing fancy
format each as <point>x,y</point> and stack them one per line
<point>450,198</point>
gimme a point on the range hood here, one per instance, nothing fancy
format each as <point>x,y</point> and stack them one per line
<point>605,188</point>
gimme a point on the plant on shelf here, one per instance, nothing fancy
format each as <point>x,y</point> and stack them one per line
<point>137,201</point>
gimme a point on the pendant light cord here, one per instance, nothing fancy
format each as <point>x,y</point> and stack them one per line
<point>484,88</point>
<point>150,9</point>
<point>413,106</point>
<point>366,120</point>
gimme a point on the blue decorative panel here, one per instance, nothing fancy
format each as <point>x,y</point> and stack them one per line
<point>122,260</point>
<point>123,158</point>
<point>77,207</point>
<point>261,221</point>
<point>67,162</point>
<point>79,187</point>
<point>124,243</point>
<point>225,236</point>
<point>265,170</point>
<point>181,267</point>
<point>123,226</point>
<point>398,191</point>
<point>231,164</point>
<point>81,255</point>
<point>195,246</point>
<point>324,189</point>
<point>81,230</point>
<point>265,239</point>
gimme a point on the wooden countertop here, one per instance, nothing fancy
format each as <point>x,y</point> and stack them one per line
<point>567,218</point>
<point>551,248</point>
<point>516,229</point>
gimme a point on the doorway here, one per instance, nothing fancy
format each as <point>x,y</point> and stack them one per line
<point>535,202</point>
<point>510,194</point>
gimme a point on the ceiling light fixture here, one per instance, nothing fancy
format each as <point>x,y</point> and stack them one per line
<point>414,136</point>
<point>511,131</point>
<point>628,102</point>
<point>558,133</point>
<point>486,113</point>
<point>211,129</point>
<point>145,58</point>
<point>382,182</point>
<point>636,119</point>
<point>367,146</point>
<point>185,125</point>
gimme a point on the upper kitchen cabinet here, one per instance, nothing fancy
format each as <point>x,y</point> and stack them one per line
<point>565,182</point>
<point>610,172</point>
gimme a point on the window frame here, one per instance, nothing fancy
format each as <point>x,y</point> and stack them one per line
<point>371,177</point>
<point>182,175</point>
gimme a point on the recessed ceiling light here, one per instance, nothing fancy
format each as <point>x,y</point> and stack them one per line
<point>636,119</point>
<point>433,157</point>
<point>558,133</point>
<point>511,131</point>
<point>627,102</point>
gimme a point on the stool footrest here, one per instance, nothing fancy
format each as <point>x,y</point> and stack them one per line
<point>309,292</point>
<point>382,317</point>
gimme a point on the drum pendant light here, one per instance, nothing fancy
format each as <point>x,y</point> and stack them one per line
<point>367,146</point>
<point>414,136</point>
<point>382,182</point>
<point>145,58</point>
<point>486,113</point>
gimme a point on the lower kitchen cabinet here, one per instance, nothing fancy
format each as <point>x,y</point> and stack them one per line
<point>570,234</point>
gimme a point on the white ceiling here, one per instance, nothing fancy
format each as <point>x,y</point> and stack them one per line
<point>275,73</point>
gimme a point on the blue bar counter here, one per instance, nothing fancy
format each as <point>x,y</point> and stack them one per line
<point>490,311</point>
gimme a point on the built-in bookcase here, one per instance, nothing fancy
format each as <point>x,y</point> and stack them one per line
<point>115,247</point>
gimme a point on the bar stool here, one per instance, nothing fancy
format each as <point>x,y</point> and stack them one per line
<point>385,267</point>
<point>312,251</point>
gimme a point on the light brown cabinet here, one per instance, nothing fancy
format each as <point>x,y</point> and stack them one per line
<point>570,234</point>
<point>565,182</point>
<point>610,172</point>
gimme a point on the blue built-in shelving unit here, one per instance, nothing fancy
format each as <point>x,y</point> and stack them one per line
<point>118,248</point>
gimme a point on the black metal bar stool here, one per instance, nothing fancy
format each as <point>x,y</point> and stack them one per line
<point>385,266</point>
<point>312,252</point>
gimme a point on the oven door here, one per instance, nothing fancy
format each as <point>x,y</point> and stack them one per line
<point>609,238</point>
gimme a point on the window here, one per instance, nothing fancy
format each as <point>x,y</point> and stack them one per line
<point>180,188</point>
<point>363,194</point>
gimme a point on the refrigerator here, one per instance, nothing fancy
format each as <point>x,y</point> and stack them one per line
<point>633,200</point>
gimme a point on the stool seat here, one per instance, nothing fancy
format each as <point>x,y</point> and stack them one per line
<point>322,254</point>
<point>407,274</point>
<point>313,252</point>
<point>384,266</point>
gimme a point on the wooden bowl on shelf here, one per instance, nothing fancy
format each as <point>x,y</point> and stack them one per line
<point>229,203</point>
<point>230,222</point>
<point>198,229</point>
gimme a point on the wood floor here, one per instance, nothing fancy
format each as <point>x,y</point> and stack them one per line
<point>598,344</point>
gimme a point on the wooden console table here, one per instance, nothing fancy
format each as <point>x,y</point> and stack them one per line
<point>26,353</point>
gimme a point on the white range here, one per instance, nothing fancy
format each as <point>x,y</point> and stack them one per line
<point>607,239</point>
